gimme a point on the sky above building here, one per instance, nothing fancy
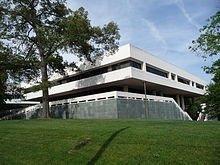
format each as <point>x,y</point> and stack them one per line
<point>164,28</point>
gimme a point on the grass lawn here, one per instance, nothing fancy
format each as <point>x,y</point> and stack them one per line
<point>109,142</point>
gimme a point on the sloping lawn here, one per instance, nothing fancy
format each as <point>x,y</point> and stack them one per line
<point>109,142</point>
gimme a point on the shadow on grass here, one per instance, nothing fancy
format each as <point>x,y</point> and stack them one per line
<point>104,146</point>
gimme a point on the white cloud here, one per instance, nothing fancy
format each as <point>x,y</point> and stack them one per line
<point>181,6</point>
<point>162,27</point>
<point>155,32</point>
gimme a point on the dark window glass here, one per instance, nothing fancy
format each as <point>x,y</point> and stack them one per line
<point>199,86</point>
<point>95,72</point>
<point>126,64</point>
<point>83,75</point>
<point>156,71</point>
<point>135,64</point>
<point>120,65</point>
<point>99,71</point>
<point>173,76</point>
<point>182,80</point>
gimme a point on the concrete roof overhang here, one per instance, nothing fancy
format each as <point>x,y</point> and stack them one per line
<point>19,104</point>
<point>132,83</point>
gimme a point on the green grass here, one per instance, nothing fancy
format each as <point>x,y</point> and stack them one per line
<point>103,142</point>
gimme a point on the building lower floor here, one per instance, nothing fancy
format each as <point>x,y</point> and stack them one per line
<point>115,105</point>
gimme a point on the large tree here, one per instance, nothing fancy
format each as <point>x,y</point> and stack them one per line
<point>13,69</point>
<point>43,29</point>
<point>208,45</point>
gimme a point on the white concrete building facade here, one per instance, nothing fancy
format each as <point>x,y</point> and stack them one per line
<point>133,74</point>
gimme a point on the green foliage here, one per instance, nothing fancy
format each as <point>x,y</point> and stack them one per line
<point>214,70</point>
<point>212,100</point>
<point>13,69</point>
<point>41,30</point>
<point>44,28</point>
<point>144,142</point>
<point>208,45</point>
<point>195,108</point>
<point>212,97</point>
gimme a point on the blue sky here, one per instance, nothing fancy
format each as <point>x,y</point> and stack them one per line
<point>164,28</point>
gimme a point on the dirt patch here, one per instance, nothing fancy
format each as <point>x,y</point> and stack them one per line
<point>82,143</point>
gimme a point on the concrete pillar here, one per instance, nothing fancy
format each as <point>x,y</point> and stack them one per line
<point>145,99</point>
<point>64,115</point>
<point>176,79</point>
<point>178,99</point>
<point>125,88</point>
<point>145,88</point>
<point>169,76</point>
<point>190,100</point>
<point>190,83</point>
<point>182,103</point>
<point>144,66</point>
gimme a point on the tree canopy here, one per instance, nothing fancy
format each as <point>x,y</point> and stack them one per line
<point>208,45</point>
<point>41,30</point>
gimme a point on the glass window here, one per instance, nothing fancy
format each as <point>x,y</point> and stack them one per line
<point>173,76</point>
<point>97,71</point>
<point>182,80</point>
<point>199,86</point>
<point>156,71</point>
<point>135,64</point>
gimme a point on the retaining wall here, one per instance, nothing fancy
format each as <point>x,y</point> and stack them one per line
<point>119,108</point>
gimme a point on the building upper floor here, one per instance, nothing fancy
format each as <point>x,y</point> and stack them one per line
<point>130,56</point>
<point>154,65</point>
<point>131,62</point>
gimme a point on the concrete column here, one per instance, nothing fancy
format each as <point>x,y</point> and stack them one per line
<point>176,79</point>
<point>182,103</point>
<point>190,83</point>
<point>144,66</point>
<point>125,88</point>
<point>145,99</point>
<point>169,76</point>
<point>190,100</point>
<point>145,88</point>
<point>64,115</point>
<point>178,99</point>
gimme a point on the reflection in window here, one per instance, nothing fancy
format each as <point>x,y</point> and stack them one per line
<point>199,86</point>
<point>126,64</point>
<point>156,71</point>
<point>183,80</point>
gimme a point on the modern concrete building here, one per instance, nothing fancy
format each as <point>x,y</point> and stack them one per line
<point>132,79</point>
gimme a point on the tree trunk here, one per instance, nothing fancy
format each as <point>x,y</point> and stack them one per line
<point>44,79</point>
